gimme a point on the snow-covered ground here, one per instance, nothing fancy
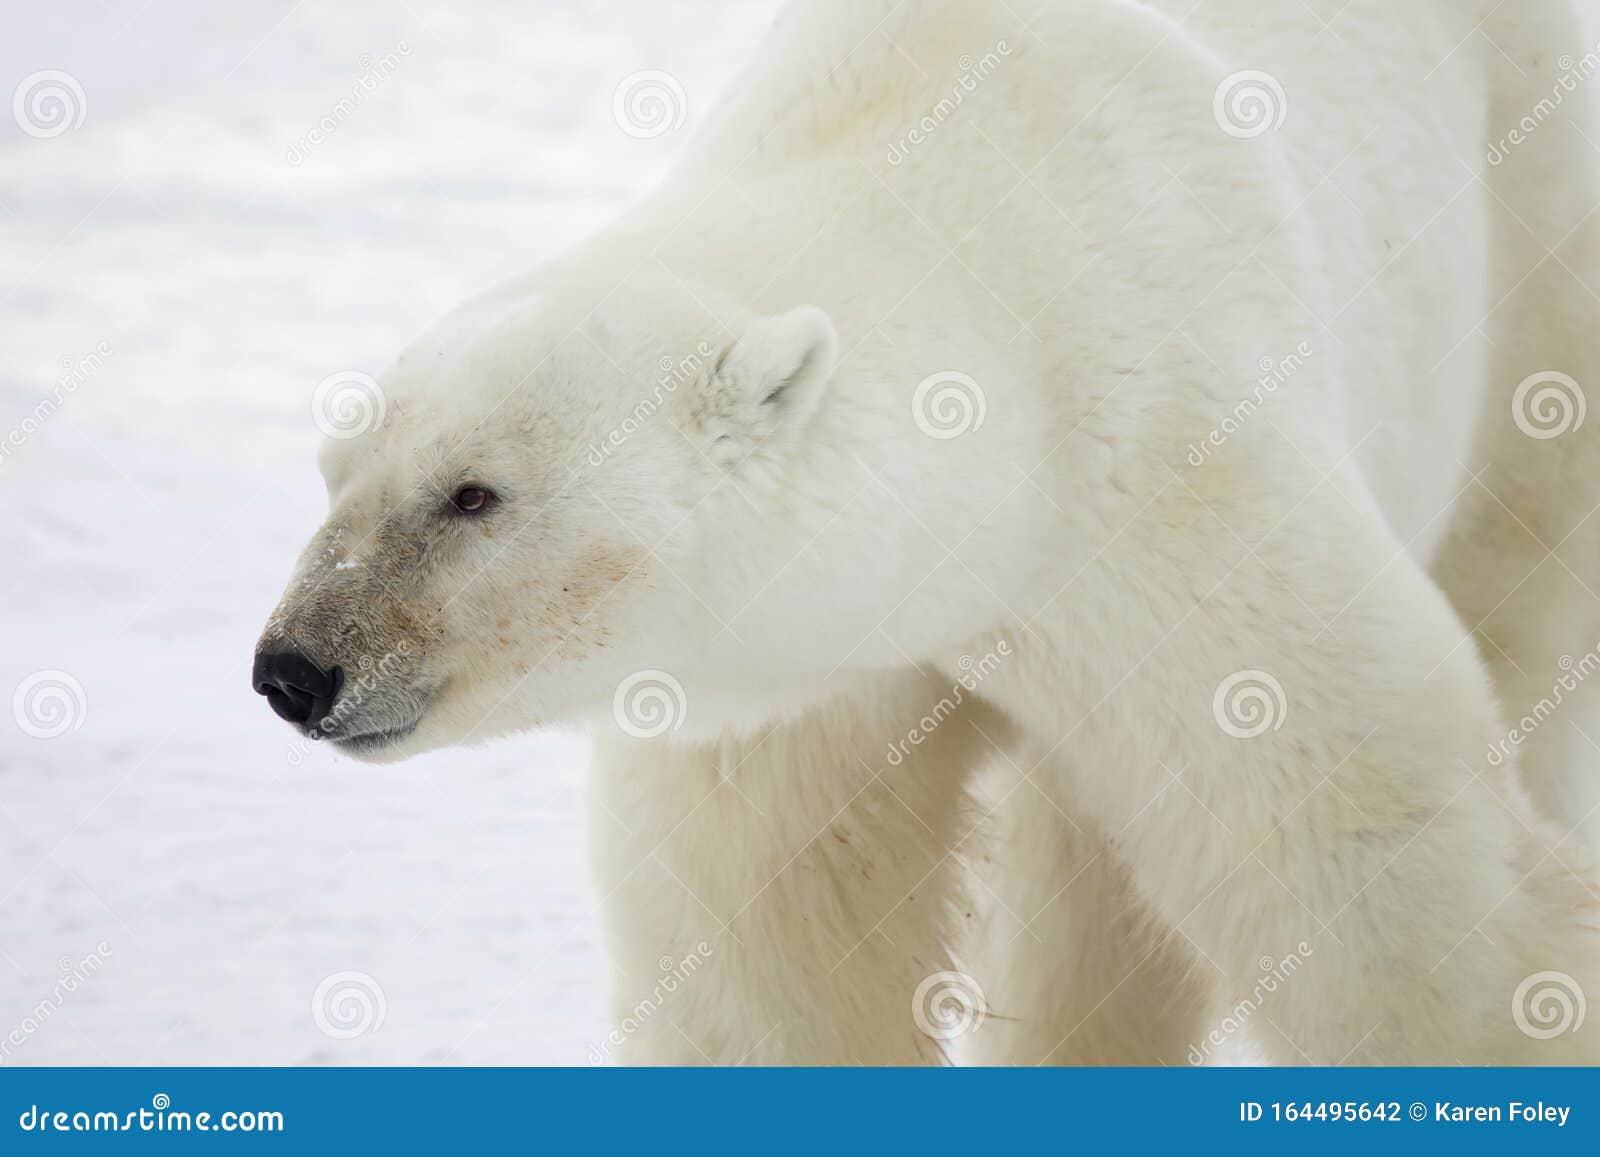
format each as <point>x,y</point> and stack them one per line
<point>259,196</point>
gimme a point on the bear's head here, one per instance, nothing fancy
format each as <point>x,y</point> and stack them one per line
<point>519,514</point>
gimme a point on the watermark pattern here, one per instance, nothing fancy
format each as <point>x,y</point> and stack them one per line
<point>74,973</point>
<point>1274,974</point>
<point>973,672</point>
<point>1573,74</point>
<point>674,373</point>
<point>948,404</point>
<point>367,678</point>
<point>1249,103</point>
<point>348,404</point>
<point>973,73</point>
<point>649,103</point>
<point>1249,703</point>
<point>947,1005</point>
<point>673,974</point>
<point>346,1005</point>
<point>49,103</point>
<point>1574,672</point>
<point>74,373</point>
<point>1274,373</point>
<point>160,1117</point>
<point>1548,1004</point>
<point>48,704</point>
<point>374,71</point>
<point>650,703</point>
<point>1548,404</point>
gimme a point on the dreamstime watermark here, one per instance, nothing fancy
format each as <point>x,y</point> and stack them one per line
<point>973,672</point>
<point>74,974</point>
<point>1249,703</point>
<point>74,373</point>
<point>1249,103</point>
<point>1574,672</point>
<point>1548,1004</point>
<point>48,103</point>
<point>674,973</point>
<point>1548,404</point>
<point>673,373</point>
<point>650,703</point>
<point>1573,74</point>
<point>346,1005</point>
<point>348,404</point>
<point>374,71</point>
<point>160,1117</point>
<point>49,704</point>
<point>649,103</point>
<point>362,682</point>
<point>947,1005</point>
<point>1274,373</point>
<point>973,73</point>
<point>948,404</point>
<point>1274,974</point>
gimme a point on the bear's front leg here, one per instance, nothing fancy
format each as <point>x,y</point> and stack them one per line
<point>1072,963</point>
<point>783,898</point>
<point>1282,729</point>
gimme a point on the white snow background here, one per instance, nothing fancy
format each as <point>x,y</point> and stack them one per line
<point>149,522</point>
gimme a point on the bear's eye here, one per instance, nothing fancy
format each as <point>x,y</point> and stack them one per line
<point>471,499</point>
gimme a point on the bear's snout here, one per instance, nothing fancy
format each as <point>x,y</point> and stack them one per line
<point>296,688</point>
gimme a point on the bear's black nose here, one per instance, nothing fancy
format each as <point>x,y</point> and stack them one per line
<point>296,688</point>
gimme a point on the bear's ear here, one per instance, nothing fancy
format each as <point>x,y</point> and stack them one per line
<point>766,385</point>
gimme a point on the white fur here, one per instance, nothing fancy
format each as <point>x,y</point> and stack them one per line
<point>1082,250</point>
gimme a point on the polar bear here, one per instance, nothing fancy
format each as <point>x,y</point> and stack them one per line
<point>1177,410</point>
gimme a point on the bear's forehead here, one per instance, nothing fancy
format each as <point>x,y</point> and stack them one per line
<point>517,436</point>
<point>414,437</point>
<point>507,385</point>
<point>514,369</point>
<point>533,342</point>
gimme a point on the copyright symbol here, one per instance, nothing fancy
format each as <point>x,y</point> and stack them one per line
<point>1419,1111</point>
